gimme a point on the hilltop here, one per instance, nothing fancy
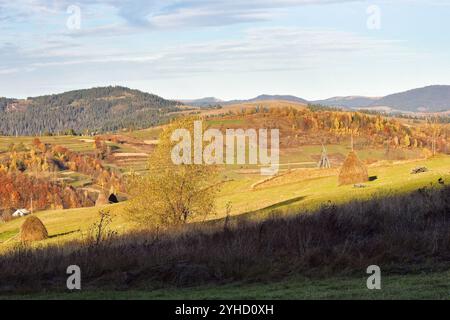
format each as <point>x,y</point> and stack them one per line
<point>428,99</point>
<point>108,109</point>
<point>88,110</point>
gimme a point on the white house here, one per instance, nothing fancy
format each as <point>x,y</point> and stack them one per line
<point>21,213</point>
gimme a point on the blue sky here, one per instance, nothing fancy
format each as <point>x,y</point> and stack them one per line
<point>228,49</point>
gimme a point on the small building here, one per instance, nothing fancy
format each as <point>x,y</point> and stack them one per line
<point>21,213</point>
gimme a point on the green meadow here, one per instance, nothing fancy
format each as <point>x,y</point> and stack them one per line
<point>393,287</point>
<point>290,197</point>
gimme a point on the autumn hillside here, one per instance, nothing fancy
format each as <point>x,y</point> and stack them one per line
<point>69,172</point>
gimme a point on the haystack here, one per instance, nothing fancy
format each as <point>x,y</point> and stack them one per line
<point>101,200</point>
<point>353,170</point>
<point>33,230</point>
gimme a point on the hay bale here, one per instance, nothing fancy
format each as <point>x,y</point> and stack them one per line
<point>102,200</point>
<point>353,171</point>
<point>33,230</point>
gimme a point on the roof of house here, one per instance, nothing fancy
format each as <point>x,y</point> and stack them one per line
<point>23,211</point>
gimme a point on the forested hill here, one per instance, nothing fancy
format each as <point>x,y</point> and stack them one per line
<point>89,110</point>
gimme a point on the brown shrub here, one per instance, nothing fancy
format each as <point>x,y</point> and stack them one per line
<point>33,230</point>
<point>353,170</point>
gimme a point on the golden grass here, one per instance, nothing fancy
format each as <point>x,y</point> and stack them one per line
<point>294,192</point>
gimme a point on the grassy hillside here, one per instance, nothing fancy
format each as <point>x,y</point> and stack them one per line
<point>394,287</point>
<point>287,194</point>
<point>62,225</point>
<point>327,252</point>
<point>271,246</point>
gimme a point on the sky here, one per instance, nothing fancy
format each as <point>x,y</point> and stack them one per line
<point>232,49</point>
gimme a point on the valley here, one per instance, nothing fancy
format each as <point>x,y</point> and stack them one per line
<point>84,170</point>
<point>299,185</point>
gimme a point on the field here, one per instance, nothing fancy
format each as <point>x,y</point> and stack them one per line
<point>289,196</point>
<point>299,190</point>
<point>323,255</point>
<point>400,287</point>
<point>80,144</point>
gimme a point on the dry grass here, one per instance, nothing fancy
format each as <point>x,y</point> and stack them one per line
<point>294,176</point>
<point>399,233</point>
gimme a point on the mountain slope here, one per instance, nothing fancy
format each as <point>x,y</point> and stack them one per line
<point>203,102</point>
<point>97,109</point>
<point>266,97</point>
<point>348,102</point>
<point>431,99</point>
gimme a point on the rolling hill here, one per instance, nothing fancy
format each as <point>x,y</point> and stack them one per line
<point>107,109</point>
<point>267,97</point>
<point>203,102</point>
<point>348,102</point>
<point>89,110</point>
<point>427,99</point>
<point>212,101</point>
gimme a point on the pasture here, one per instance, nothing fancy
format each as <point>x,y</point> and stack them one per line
<point>288,194</point>
<point>397,287</point>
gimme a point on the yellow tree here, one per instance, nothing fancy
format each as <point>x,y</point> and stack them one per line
<point>172,194</point>
<point>407,141</point>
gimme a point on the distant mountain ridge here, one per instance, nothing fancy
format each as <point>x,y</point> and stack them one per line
<point>113,108</point>
<point>267,97</point>
<point>427,99</point>
<point>434,98</point>
<point>203,102</point>
<point>264,97</point>
<point>348,102</point>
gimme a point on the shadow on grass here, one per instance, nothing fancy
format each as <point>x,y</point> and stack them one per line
<point>264,212</point>
<point>64,234</point>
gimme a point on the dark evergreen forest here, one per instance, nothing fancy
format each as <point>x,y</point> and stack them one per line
<point>83,112</point>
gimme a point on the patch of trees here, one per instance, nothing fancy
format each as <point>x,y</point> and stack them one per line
<point>316,124</point>
<point>44,158</point>
<point>18,190</point>
<point>84,111</point>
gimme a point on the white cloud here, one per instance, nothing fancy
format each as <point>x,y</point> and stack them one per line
<point>258,50</point>
<point>167,13</point>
